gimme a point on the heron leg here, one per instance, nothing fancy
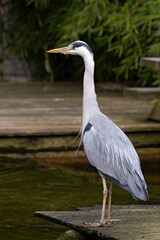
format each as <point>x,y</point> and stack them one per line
<point>109,204</point>
<point>104,200</point>
<point>107,222</point>
<point>102,221</point>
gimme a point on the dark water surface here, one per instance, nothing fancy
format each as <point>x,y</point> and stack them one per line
<point>26,187</point>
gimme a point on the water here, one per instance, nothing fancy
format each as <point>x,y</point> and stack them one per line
<point>26,187</point>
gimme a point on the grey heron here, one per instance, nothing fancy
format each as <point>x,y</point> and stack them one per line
<point>107,148</point>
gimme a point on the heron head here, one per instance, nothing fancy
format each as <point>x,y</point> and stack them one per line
<point>75,48</point>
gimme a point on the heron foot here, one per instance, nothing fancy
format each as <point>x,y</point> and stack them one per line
<point>107,223</point>
<point>99,224</point>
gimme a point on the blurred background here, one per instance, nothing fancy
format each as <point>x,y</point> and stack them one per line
<point>119,32</point>
<point>41,99</point>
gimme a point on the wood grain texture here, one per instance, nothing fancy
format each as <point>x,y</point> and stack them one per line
<point>44,109</point>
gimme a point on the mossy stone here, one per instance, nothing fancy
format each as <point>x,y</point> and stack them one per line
<point>71,235</point>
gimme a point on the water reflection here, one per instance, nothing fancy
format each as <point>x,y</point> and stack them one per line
<point>27,186</point>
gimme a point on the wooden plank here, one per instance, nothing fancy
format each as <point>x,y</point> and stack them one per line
<point>130,222</point>
<point>46,109</point>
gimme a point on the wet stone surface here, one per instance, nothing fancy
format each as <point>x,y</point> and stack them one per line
<point>71,235</point>
<point>130,222</point>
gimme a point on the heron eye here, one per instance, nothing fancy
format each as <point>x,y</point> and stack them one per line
<point>73,47</point>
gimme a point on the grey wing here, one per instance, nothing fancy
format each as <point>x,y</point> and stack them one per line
<point>110,151</point>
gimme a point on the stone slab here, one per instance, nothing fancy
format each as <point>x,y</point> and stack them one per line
<point>142,93</point>
<point>132,222</point>
<point>155,113</point>
<point>30,144</point>
<point>150,62</point>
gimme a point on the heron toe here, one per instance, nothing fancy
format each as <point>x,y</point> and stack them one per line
<point>99,224</point>
<point>93,224</point>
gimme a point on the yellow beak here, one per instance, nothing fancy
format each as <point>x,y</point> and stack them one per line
<point>64,50</point>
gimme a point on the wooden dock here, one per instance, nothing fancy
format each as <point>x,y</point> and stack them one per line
<point>132,222</point>
<point>41,117</point>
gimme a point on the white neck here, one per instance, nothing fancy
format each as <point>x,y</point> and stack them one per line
<point>90,105</point>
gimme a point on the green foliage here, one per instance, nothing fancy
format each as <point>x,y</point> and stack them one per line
<point>119,32</point>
